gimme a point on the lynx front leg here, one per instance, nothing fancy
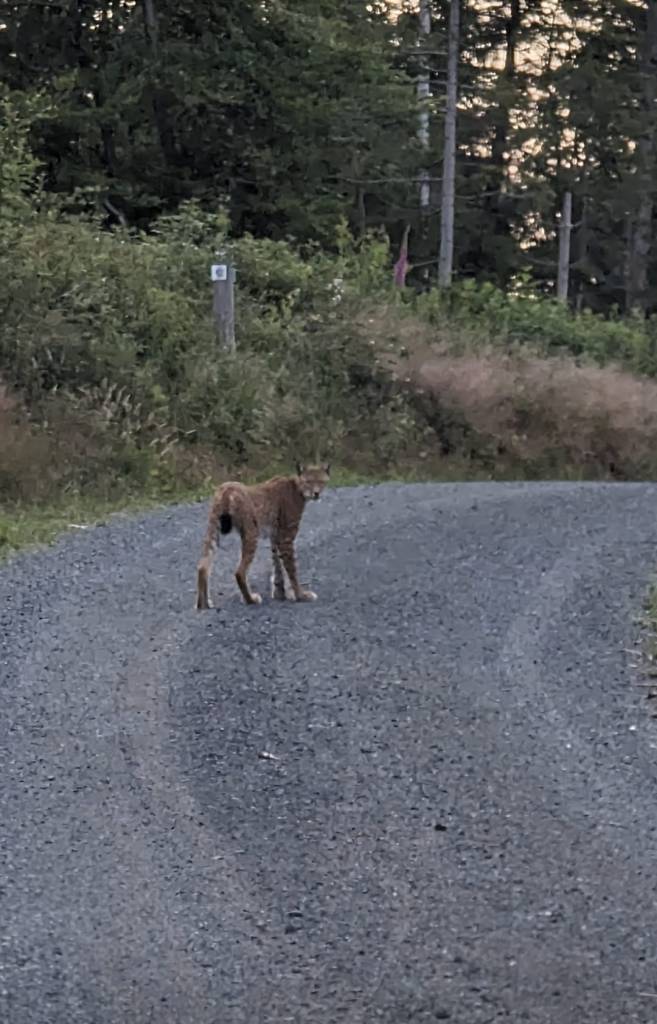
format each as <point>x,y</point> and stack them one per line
<point>286,548</point>
<point>277,579</point>
<point>249,544</point>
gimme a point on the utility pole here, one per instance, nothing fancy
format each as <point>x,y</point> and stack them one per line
<point>446,261</point>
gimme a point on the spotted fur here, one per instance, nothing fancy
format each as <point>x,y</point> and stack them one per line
<point>273,508</point>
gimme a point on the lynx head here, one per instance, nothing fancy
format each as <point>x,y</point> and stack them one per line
<point>312,480</point>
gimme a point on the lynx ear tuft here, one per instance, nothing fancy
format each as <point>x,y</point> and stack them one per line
<point>300,468</point>
<point>327,468</point>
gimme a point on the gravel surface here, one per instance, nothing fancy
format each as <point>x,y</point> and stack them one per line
<point>458,817</point>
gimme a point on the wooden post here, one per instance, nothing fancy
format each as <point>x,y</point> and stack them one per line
<point>565,228</point>
<point>223,303</point>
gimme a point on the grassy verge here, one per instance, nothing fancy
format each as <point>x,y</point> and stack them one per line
<point>43,508</point>
<point>30,525</point>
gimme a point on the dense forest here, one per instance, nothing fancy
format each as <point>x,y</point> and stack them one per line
<point>292,114</point>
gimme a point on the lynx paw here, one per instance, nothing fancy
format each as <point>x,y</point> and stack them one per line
<point>255,599</point>
<point>307,595</point>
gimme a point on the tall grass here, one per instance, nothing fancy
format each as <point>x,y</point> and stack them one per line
<point>540,417</point>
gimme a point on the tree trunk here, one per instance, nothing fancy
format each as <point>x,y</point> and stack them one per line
<point>423,93</point>
<point>501,134</point>
<point>163,127</point>
<point>446,260</point>
<point>641,238</point>
<point>150,22</point>
<point>641,244</point>
<point>565,228</point>
<point>495,208</point>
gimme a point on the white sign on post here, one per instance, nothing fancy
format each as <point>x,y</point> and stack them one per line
<point>219,272</point>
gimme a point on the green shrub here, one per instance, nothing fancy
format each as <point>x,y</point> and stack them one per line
<point>116,328</point>
<point>486,314</point>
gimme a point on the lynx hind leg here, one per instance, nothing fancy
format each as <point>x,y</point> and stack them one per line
<point>204,567</point>
<point>279,590</point>
<point>249,545</point>
<point>203,602</point>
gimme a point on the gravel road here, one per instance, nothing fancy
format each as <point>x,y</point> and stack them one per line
<point>459,819</point>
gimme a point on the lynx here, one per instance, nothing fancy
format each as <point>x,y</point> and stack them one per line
<point>273,508</point>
